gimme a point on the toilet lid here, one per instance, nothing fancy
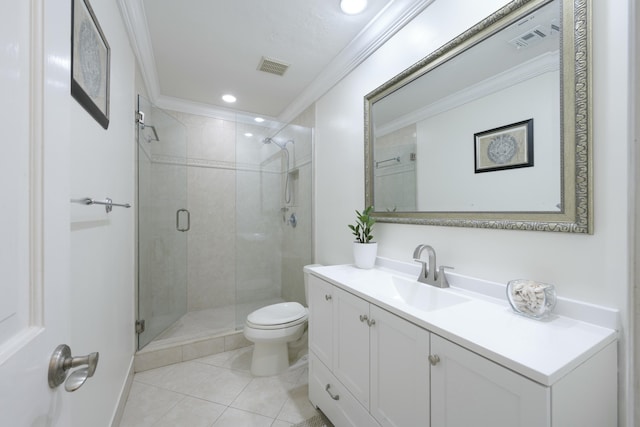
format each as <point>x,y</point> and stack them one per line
<point>277,314</point>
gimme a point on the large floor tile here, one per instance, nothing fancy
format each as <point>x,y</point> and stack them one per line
<point>219,385</point>
<point>238,418</point>
<point>218,391</point>
<point>192,412</point>
<point>264,396</point>
<point>147,404</point>
<point>297,408</point>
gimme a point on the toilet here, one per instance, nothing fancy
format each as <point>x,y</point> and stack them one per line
<point>271,329</point>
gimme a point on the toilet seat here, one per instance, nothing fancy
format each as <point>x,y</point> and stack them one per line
<point>278,316</point>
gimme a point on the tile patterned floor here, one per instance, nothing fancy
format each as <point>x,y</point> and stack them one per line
<point>218,391</point>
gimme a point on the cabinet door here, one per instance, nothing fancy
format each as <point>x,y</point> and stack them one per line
<point>320,299</point>
<point>469,390</point>
<point>399,371</point>
<point>351,344</point>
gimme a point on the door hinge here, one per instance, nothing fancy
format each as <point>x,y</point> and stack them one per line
<point>139,326</point>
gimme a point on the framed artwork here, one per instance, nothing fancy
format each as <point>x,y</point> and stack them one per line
<point>506,147</point>
<point>90,62</point>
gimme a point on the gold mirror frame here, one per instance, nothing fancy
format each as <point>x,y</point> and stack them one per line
<point>576,162</point>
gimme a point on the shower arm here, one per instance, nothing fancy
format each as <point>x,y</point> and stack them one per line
<point>143,125</point>
<point>155,134</point>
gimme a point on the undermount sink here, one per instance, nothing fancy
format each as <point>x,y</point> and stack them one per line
<point>417,295</point>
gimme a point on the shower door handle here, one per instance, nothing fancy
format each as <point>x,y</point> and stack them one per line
<point>178,220</point>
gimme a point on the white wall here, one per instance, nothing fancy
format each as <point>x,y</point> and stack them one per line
<point>593,268</point>
<point>534,188</point>
<point>102,246</point>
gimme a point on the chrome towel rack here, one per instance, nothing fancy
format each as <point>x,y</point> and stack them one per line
<point>107,202</point>
<point>393,159</point>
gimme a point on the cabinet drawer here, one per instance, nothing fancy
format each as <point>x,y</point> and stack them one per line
<point>342,409</point>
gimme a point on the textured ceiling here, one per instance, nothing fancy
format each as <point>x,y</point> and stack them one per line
<point>202,49</point>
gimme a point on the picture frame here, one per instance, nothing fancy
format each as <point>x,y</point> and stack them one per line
<point>90,62</point>
<point>505,147</point>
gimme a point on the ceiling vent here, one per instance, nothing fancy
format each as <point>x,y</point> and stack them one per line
<point>535,35</point>
<point>272,66</point>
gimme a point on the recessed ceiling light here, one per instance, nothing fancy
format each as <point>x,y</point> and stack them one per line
<point>353,7</point>
<point>229,98</point>
<point>259,119</point>
<point>248,134</point>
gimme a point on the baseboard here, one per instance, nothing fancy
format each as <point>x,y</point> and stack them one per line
<point>124,395</point>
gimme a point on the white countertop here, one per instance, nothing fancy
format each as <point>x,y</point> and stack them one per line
<point>542,350</point>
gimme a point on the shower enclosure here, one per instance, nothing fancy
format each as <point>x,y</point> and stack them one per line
<point>224,222</point>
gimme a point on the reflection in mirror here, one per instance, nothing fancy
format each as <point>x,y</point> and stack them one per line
<point>485,131</point>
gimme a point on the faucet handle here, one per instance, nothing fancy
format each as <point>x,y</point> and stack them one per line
<point>442,278</point>
<point>422,277</point>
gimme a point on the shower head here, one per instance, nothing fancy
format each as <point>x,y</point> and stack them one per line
<point>283,146</point>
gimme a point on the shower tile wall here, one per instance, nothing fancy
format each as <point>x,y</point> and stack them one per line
<point>391,175</point>
<point>211,238</point>
<point>297,247</point>
<point>240,247</point>
<point>259,237</point>
<point>211,202</point>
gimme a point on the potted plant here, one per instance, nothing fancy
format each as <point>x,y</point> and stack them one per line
<point>364,250</point>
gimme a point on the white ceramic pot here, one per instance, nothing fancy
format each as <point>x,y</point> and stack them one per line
<point>364,254</point>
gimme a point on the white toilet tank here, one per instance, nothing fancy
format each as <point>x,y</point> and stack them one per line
<point>306,281</point>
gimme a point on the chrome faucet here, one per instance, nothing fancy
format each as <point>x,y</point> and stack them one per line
<point>430,274</point>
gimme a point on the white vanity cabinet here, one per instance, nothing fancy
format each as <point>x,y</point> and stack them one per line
<point>468,390</point>
<point>373,366</point>
<point>399,371</point>
<point>379,362</point>
<point>320,301</point>
<point>351,327</point>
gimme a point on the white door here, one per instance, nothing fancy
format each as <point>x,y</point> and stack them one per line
<point>34,208</point>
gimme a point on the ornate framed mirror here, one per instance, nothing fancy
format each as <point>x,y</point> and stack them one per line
<point>492,130</point>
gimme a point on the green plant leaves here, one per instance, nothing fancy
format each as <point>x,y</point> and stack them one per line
<point>363,226</point>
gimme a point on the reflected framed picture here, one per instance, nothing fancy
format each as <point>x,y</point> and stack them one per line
<point>506,147</point>
<point>90,62</point>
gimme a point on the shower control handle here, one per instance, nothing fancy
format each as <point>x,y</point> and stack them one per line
<point>178,212</point>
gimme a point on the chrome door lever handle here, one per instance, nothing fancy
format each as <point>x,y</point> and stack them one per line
<point>62,361</point>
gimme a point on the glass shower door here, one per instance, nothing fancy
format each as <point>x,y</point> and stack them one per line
<point>273,216</point>
<point>163,221</point>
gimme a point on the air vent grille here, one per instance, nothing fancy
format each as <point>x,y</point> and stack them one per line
<point>272,66</point>
<point>535,35</point>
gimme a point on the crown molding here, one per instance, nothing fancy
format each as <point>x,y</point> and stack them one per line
<point>520,73</point>
<point>207,110</point>
<point>135,21</point>
<point>385,24</point>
